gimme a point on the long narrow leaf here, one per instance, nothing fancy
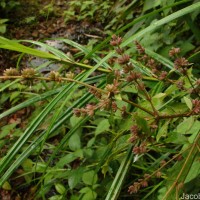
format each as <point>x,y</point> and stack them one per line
<point>6,161</point>
<point>115,188</point>
<point>15,46</point>
<point>65,116</point>
<point>161,22</point>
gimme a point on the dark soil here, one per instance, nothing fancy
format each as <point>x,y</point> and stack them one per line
<point>43,26</point>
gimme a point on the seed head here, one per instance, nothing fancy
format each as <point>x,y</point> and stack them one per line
<point>134,129</point>
<point>112,88</point>
<point>54,76</point>
<point>105,103</point>
<point>28,73</point>
<point>70,75</point>
<point>134,188</point>
<point>180,84</point>
<point>180,185</point>
<point>116,40</point>
<point>90,109</point>
<point>119,50</point>
<point>124,59</point>
<point>198,82</point>
<point>143,182</point>
<point>196,106</point>
<point>163,75</point>
<point>162,163</point>
<point>96,93</point>
<point>139,47</point>
<point>11,72</point>
<point>174,52</point>
<point>123,111</point>
<point>133,76</point>
<point>158,174</point>
<point>127,68</point>
<point>114,106</point>
<point>180,63</point>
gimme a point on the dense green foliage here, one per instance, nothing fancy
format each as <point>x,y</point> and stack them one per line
<point>118,119</point>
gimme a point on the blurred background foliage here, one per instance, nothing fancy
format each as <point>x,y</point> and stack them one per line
<point>46,151</point>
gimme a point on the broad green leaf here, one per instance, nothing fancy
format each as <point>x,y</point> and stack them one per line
<point>91,142</point>
<point>85,190</point>
<point>142,123</point>
<point>102,127</point>
<point>7,129</point>
<point>195,57</point>
<point>194,131</point>
<point>27,165</point>
<point>130,88</point>
<point>75,142</point>
<point>118,97</point>
<point>74,197</point>
<point>90,177</point>
<point>194,171</point>
<point>157,100</point>
<point>188,102</point>
<point>105,169</point>
<point>56,197</point>
<point>14,95</point>
<point>178,107</point>
<point>186,46</point>
<point>66,159</point>
<point>151,4</point>
<point>185,126</point>
<point>6,186</point>
<point>75,177</point>
<point>176,138</point>
<point>60,188</point>
<point>90,195</point>
<point>40,167</point>
<point>15,46</point>
<point>74,120</point>
<point>161,22</point>
<point>162,132</point>
<point>48,178</point>
<point>161,193</point>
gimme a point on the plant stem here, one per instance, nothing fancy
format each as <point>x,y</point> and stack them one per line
<point>148,98</point>
<point>192,84</point>
<point>86,66</point>
<point>138,106</point>
<point>184,165</point>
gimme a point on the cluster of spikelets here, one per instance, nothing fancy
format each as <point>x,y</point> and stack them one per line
<point>25,73</point>
<point>30,73</point>
<point>128,74</point>
<point>140,140</point>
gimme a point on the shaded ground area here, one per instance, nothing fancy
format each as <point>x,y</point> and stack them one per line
<point>39,21</point>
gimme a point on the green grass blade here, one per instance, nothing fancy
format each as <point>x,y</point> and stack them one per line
<point>84,50</point>
<point>5,162</point>
<point>43,96</point>
<point>161,22</point>
<point>166,62</point>
<point>15,46</point>
<point>124,28</point>
<point>29,102</point>
<point>51,49</point>
<point>29,131</point>
<point>65,116</point>
<point>115,188</point>
<point>9,84</point>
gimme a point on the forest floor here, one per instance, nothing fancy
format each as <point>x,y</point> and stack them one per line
<point>40,21</point>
